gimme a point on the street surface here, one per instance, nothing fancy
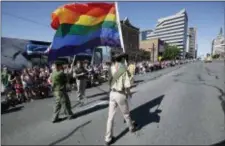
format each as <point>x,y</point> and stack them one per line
<point>182,105</point>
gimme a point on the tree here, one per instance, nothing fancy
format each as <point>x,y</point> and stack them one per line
<point>171,52</point>
<point>216,56</point>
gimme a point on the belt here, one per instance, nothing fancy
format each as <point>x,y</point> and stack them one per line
<point>121,92</point>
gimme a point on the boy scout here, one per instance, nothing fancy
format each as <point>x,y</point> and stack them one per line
<point>131,69</point>
<point>81,76</point>
<point>59,80</point>
<point>120,90</point>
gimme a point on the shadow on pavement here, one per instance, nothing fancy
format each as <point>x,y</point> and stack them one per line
<point>142,115</point>
<point>98,94</point>
<point>138,81</point>
<point>134,85</point>
<point>75,105</point>
<point>200,78</point>
<point>105,98</point>
<point>70,134</point>
<point>11,110</point>
<point>222,143</point>
<point>89,110</point>
<point>61,120</point>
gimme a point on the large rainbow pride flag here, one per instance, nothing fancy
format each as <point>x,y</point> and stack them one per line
<point>81,27</point>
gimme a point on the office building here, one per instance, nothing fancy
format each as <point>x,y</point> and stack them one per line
<point>173,30</point>
<point>192,41</point>
<point>144,34</point>
<point>218,44</point>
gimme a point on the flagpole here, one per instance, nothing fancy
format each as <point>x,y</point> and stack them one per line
<point>119,26</point>
<point>93,57</point>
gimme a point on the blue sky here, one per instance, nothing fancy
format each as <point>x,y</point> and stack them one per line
<point>208,17</point>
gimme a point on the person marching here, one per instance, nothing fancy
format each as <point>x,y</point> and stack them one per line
<point>59,80</point>
<point>120,90</point>
<point>131,69</point>
<point>81,76</point>
<point>5,80</point>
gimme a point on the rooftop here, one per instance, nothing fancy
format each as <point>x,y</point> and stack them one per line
<point>126,21</point>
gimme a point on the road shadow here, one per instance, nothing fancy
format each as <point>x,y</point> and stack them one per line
<point>104,98</point>
<point>12,110</point>
<point>222,143</point>
<point>69,134</point>
<point>138,81</point>
<point>89,110</point>
<point>104,91</point>
<point>133,86</point>
<point>98,94</point>
<point>217,77</point>
<point>76,104</point>
<point>142,115</point>
<point>200,78</point>
<point>61,120</point>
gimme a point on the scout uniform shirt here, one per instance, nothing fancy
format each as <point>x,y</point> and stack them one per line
<point>5,78</point>
<point>131,69</point>
<point>123,81</point>
<point>58,79</point>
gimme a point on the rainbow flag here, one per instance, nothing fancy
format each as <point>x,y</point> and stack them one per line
<point>81,27</point>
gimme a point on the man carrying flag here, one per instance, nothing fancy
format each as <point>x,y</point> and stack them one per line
<point>120,91</point>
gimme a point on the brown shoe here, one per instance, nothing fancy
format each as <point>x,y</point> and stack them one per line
<point>110,142</point>
<point>70,117</point>
<point>55,120</point>
<point>134,129</point>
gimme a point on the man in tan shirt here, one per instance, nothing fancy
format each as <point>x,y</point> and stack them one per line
<point>131,69</point>
<point>120,90</point>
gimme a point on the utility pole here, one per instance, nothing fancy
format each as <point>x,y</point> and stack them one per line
<point>149,54</point>
<point>153,51</point>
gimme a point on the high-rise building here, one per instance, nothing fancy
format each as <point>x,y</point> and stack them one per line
<point>144,34</point>
<point>196,53</point>
<point>218,44</point>
<point>192,41</point>
<point>173,30</point>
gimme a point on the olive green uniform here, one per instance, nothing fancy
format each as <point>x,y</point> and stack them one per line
<point>59,81</point>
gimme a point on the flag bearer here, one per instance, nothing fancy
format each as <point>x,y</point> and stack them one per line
<point>120,90</point>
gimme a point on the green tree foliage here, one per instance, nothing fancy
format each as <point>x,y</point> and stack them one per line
<point>216,56</point>
<point>171,52</point>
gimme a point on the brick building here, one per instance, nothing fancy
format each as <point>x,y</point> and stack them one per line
<point>130,37</point>
<point>155,47</point>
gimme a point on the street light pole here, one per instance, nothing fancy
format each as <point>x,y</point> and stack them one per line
<point>153,50</point>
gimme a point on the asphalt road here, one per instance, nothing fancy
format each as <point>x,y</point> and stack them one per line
<point>180,105</point>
